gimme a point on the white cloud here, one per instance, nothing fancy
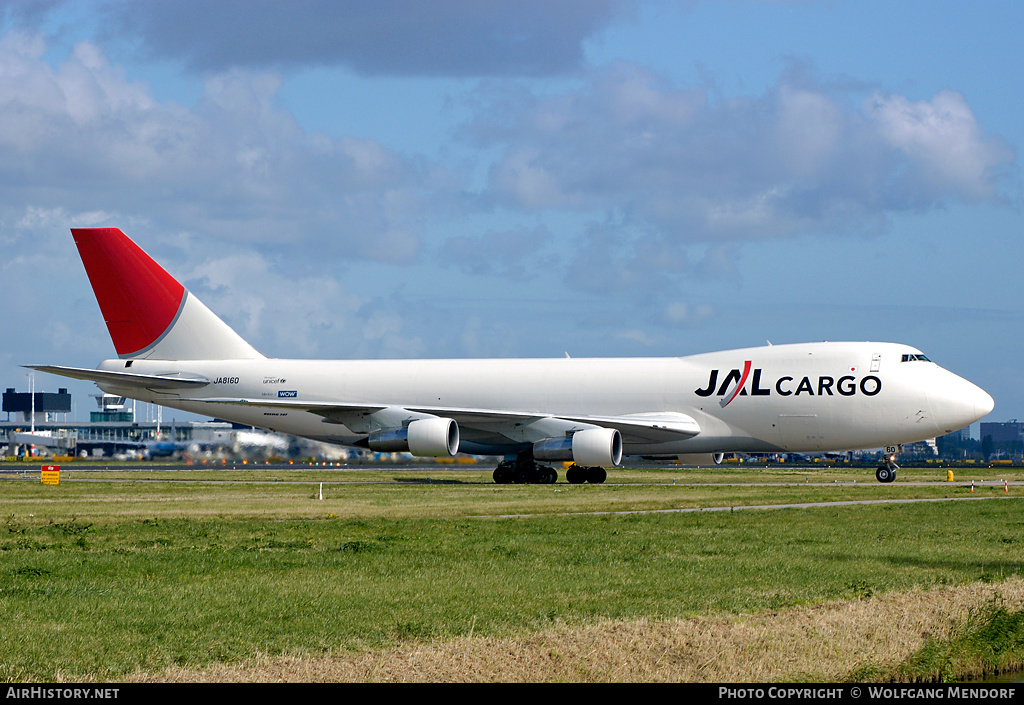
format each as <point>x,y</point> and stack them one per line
<point>533,186</point>
<point>808,130</point>
<point>288,314</point>
<point>510,254</point>
<point>945,150</point>
<point>679,313</point>
<point>802,158</point>
<point>80,136</point>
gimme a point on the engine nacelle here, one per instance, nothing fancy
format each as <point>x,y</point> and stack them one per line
<point>597,446</point>
<point>553,449</point>
<point>593,447</point>
<point>432,438</point>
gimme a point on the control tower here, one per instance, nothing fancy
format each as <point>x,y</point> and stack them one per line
<point>112,409</point>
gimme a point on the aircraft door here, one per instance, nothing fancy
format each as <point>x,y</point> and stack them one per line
<point>799,432</point>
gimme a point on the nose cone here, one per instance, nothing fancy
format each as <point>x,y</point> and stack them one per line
<point>984,403</point>
<point>957,403</point>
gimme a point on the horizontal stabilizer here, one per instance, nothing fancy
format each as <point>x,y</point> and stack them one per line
<point>125,379</point>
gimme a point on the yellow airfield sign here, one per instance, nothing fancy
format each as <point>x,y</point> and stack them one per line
<point>50,475</point>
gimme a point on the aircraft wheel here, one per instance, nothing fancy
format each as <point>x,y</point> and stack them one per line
<point>596,476</point>
<point>550,476</point>
<point>575,475</point>
<point>885,474</point>
<point>540,474</point>
<point>502,475</point>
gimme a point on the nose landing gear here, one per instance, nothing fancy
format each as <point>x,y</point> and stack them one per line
<point>886,472</point>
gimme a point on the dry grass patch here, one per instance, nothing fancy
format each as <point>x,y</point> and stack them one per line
<point>834,642</point>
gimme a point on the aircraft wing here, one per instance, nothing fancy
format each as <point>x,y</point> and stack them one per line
<point>635,428</point>
<point>653,427</point>
<point>648,428</point>
<point>360,418</point>
<point>126,379</point>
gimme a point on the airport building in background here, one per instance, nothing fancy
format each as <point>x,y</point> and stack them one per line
<point>39,406</point>
<point>1007,432</point>
<point>37,425</point>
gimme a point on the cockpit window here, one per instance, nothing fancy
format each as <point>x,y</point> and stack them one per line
<point>915,358</point>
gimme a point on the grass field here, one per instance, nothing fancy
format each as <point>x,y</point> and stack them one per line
<point>116,575</point>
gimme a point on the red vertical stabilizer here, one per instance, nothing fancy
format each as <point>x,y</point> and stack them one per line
<point>138,298</point>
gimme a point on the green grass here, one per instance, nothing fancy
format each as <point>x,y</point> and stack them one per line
<point>991,642</point>
<point>98,579</point>
<point>454,493</point>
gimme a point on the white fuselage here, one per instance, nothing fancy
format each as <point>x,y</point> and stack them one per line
<point>803,397</point>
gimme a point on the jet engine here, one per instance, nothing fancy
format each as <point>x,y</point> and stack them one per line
<point>600,447</point>
<point>434,438</point>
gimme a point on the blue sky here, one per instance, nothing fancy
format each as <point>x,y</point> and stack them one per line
<point>474,179</point>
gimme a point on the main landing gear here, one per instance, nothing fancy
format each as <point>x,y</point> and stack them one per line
<point>524,470</point>
<point>577,475</point>
<point>886,472</point>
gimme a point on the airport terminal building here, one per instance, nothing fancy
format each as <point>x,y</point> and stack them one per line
<point>38,420</point>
